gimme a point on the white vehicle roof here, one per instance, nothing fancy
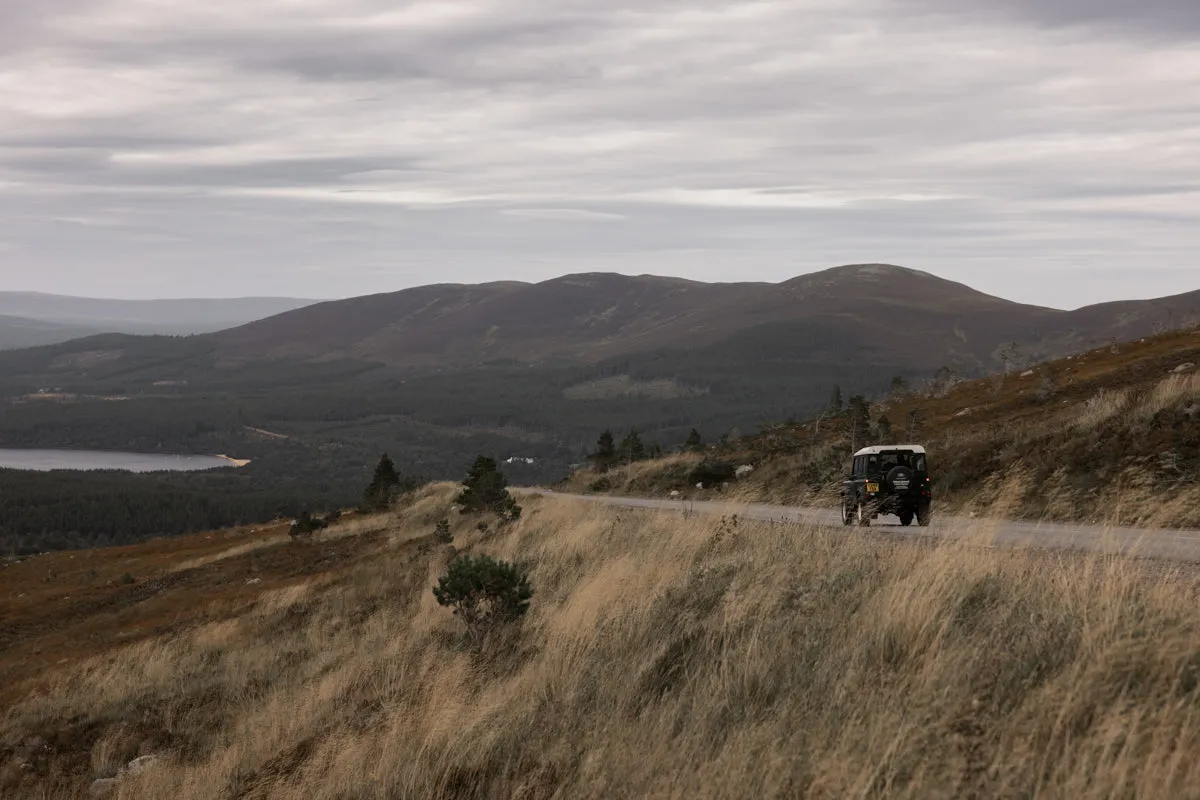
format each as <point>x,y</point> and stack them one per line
<point>890,448</point>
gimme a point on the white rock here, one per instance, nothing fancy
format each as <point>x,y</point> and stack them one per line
<point>674,494</point>
<point>743,471</point>
<point>1182,368</point>
<point>254,581</point>
<point>700,485</point>
<point>1027,373</point>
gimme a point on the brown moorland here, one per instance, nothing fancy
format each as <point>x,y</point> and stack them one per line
<point>663,656</point>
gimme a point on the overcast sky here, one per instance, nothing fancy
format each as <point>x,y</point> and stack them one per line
<point>1043,150</point>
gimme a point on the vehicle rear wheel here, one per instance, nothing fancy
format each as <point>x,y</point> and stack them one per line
<point>864,515</point>
<point>924,516</point>
<point>847,511</point>
<point>906,518</point>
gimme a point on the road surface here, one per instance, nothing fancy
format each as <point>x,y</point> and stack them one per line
<point>1174,545</point>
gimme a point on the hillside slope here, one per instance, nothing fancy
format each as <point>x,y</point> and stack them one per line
<point>1109,436</point>
<point>661,657</point>
<point>908,316</point>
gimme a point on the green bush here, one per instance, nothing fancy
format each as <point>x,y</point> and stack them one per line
<point>484,593</point>
<point>486,489</point>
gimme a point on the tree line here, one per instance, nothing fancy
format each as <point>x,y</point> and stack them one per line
<point>609,454</point>
<point>42,511</point>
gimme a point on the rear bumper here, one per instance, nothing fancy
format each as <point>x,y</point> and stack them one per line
<point>894,504</point>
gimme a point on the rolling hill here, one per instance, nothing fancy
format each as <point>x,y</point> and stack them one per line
<point>81,316</point>
<point>904,315</point>
<point>19,332</point>
<point>437,374</point>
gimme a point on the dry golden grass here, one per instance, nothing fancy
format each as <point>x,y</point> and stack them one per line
<point>640,477</point>
<point>1097,410</point>
<point>1175,390</point>
<point>662,657</point>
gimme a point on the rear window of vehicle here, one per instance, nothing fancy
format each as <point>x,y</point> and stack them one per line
<point>884,462</point>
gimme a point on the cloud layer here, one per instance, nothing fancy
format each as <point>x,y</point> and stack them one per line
<point>1048,152</point>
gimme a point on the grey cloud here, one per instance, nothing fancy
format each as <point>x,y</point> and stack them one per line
<point>101,139</point>
<point>483,50</point>
<point>273,173</point>
<point>1165,18</point>
<point>71,161</point>
<point>1109,189</point>
<point>299,146</point>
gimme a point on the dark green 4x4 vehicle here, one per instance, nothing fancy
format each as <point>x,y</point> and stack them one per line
<point>891,479</point>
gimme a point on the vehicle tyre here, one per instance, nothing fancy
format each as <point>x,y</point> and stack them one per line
<point>864,516</point>
<point>906,518</point>
<point>847,511</point>
<point>924,516</point>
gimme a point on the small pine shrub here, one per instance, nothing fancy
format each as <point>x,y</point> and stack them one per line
<point>484,593</point>
<point>486,489</point>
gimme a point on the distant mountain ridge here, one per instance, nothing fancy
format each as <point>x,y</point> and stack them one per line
<point>912,316</point>
<point>17,332</point>
<point>58,318</point>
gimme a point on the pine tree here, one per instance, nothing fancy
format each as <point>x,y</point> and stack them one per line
<point>631,448</point>
<point>694,442</point>
<point>606,453</point>
<point>486,489</point>
<point>384,485</point>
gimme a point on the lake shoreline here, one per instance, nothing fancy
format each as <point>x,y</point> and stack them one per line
<point>48,459</point>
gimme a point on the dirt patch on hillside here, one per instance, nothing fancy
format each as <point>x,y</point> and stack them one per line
<point>61,608</point>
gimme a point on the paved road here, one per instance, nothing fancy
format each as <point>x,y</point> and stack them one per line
<point>1175,545</point>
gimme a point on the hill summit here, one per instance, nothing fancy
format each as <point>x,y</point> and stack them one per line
<point>906,315</point>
